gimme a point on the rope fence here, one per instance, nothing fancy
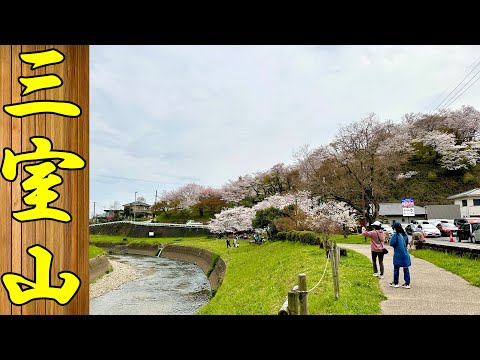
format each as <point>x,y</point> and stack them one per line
<point>324,271</point>
<point>296,302</point>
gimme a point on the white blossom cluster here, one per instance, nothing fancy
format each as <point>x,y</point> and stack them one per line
<point>240,218</point>
<point>407,175</point>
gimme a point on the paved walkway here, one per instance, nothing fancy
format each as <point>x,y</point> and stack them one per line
<point>434,291</point>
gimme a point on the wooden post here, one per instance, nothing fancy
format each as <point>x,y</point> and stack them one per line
<point>333,259</point>
<point>292,302</point>
<point>67,74</point>
<point>284,309</point>
<point>337,262</point>
<point>302,294</point>
<point>290,306</point>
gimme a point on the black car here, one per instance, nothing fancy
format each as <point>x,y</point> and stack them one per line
<point>466,232</point>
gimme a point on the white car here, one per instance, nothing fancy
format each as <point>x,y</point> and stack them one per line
<point>387,228</point>
<point>429,230</point>
<point>192,222</point>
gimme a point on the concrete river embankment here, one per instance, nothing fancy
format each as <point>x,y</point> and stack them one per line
<point>175,279</point>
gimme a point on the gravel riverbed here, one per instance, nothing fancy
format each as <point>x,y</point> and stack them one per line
<point>121,274</point>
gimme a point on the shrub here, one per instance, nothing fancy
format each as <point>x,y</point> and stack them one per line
<point>468,177</point>
<point>304,237</point>
<point>432,176</point>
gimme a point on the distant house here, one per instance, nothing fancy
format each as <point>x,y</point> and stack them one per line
<point>443,212</point>
<point>469,202</point>
<point>138,208</point>
<point>113,214</point>
<point>393,212</point>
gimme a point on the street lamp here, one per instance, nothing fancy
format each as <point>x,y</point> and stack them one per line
<point>134,205</point>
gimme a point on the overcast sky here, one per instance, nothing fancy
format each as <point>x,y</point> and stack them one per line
<point>164,116</point>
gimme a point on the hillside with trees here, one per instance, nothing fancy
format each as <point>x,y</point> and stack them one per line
<point>369,161</point>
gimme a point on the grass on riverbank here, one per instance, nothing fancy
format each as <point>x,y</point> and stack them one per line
<point>117,238</point>
<point>258,277</point>
<point>469,269</point>
<point>94,251</point>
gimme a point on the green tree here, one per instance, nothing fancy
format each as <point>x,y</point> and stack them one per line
<point>265,219</point>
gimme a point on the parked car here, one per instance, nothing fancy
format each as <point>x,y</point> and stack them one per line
<point>447,229</point>
<point>387,228</point>
<point>468,231</point>
<point>435,221</point>
<point>410,228</point>
<point>193,222</point>
<point>469,220</point>
<point>428,230</point>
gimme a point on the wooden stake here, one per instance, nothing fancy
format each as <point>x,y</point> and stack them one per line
<point>303,294</point>
<point>333,259</point>
<point>293,302</point>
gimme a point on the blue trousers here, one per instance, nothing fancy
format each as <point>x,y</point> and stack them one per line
<point>406,274</point>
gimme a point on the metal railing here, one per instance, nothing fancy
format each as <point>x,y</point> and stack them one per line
<point>153,224</point>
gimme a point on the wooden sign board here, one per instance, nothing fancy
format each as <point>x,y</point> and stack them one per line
<point>44,188</point>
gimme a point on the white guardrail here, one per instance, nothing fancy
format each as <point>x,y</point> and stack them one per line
<point>153,224</point>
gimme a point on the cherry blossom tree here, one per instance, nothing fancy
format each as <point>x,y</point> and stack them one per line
<point>189,195</point>
<point>332,217</point>
<point>302,199</point>
<point>310,211</point>
<point>236,219</point>
<point>464,123</point>
<point>237,190</point>
<point>446,152</point>
<point>253,188</point>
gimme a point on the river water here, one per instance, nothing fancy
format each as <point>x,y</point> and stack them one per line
<point>166,287</point>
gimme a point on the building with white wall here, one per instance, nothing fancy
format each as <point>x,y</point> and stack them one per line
<point>469,202</point>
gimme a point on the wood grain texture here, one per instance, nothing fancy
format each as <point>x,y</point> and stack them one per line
<point>67,241</point>
<point>17,251</point>
<point>5,186</point>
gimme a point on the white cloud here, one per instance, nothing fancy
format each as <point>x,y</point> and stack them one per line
<point>176,114</point>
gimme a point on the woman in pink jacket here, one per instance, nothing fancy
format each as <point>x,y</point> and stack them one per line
<point>377,237</point>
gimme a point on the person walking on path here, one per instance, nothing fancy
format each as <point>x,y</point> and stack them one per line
<point>401,257</point>
<point>377,237</point>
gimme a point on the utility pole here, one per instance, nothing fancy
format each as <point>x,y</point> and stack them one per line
<point>134,206</point>
<point>155,196</point>
<point>94,219</point>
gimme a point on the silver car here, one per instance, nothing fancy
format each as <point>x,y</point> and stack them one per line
<point>429,230</point>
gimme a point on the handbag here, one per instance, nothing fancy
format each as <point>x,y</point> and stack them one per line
<point>385,251</point>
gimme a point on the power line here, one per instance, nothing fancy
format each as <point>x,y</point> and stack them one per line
<point>444,91</point>
<point>456,88</point>
<point>463,92</point>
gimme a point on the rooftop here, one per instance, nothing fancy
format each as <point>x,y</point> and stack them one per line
<point>394,209</point>
<point>137,203</point>
<point>473,192</point>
